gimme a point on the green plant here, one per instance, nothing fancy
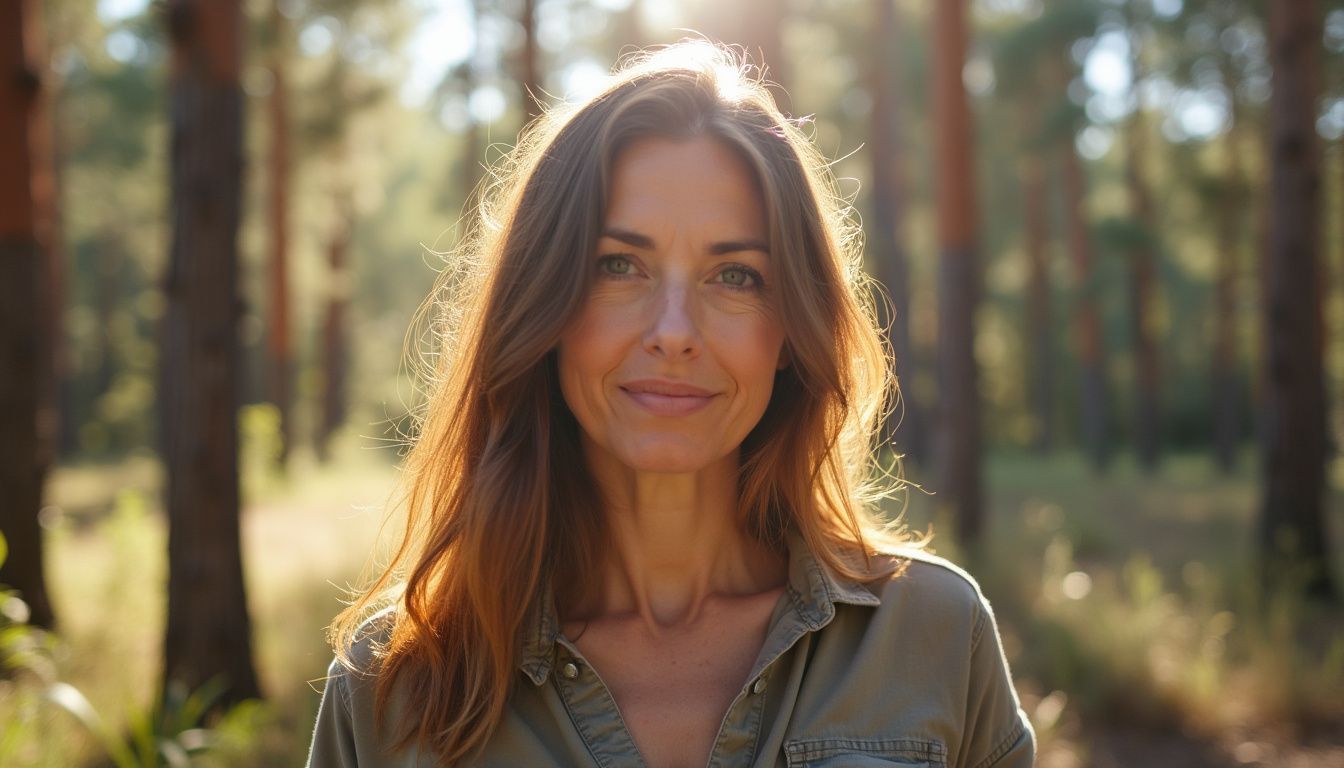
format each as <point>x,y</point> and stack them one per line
<point>26,667</point>
<point>169,733</point>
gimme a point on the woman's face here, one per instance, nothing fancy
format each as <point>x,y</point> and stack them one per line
<point>672,359</point>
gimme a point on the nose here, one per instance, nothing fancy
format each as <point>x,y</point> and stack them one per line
<point>673,332</point>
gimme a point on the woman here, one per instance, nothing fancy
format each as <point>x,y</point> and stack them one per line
<point>640,529</point>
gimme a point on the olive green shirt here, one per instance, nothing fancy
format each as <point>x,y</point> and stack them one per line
<point>903,671</point>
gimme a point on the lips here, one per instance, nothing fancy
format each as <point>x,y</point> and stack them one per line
<point>667,398</point>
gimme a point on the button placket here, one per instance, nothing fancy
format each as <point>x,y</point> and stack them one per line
<point>739,733</point>
<point>592,711</point>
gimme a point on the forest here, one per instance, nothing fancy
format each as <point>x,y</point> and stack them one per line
<point>1109,236</point>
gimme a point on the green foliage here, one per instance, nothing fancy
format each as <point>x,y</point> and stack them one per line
<point>1122,235</point>
<point>259,445</point>
<point>1123,645</point>
<point>1021,54</point>
<point>1129,648</point>
<point>173,732</point>
<point>169,733</point>
<point>1129,601</point>
<point>1062,121</point>
<point>26,666</point>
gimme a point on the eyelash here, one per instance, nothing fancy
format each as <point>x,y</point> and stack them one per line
<point>603,262</point>
<point>757,281</point>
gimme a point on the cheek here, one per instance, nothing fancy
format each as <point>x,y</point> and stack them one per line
<point>588,332</point>
<point>750,349</point>
<point>588,349</point>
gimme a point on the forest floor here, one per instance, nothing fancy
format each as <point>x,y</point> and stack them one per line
<point>1134,628</point>
<point>1134,622</point>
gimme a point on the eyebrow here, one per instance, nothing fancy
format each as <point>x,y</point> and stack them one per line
<point>638,240</point>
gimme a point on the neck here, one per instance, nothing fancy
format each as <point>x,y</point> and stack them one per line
<point>676,542</point>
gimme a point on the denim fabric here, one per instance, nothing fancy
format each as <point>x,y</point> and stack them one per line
<point>905,671</point>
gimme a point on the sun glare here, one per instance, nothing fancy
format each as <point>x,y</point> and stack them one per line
<point>733,83</point>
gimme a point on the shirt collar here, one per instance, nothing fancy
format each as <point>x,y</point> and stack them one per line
<point>538,636</point>
<point>814,590</point>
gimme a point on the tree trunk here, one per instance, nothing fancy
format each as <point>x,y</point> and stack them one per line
<point>1143,279</point>
<point>1225,374</point>
<point>208,630</point>
<point>1040,327</point>
<point>335,344</point>
<point>959,276</point>
<point>470,166</point>
<point>905,425</point>
<point>531,74</point>
<point>280,348</point>
<point>108,294</point>
<point>1086,308</point>
<point>51,279</point>
<point>61,390</point>
<point>27,295</point>
<point>1293,535</point>
<point>1260,197</point>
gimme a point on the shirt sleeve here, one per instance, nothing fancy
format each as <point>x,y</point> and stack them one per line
<point>334,734</point>
<point>997,733</point>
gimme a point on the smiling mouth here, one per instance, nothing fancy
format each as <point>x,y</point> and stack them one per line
<point>667,398</point>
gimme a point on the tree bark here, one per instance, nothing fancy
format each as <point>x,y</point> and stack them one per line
<point>109,293</point>
<point>1225,374</point>
<point>208,630</point>
<point>335,341</point>
<point>905,425</point>
<point>1040,327</point>
<point>1142,286</point>
<point>531,75</point>
<point>280,346</point>
<point>1294,540</point>
<point>959,276</point>
<point>28,304</point>
<point>1086,309</point>
<point>470,167</point>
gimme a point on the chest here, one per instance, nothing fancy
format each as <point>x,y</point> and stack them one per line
<point>673,690</point>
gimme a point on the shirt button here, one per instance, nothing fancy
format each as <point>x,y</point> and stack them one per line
<point>758,686</point>
<point>570,670</point>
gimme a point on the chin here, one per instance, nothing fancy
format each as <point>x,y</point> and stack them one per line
<point>666,457</point>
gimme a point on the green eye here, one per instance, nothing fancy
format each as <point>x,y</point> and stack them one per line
<point>739,277</point>
<point>616,265</point>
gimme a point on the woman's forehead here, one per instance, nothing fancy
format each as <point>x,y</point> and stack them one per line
<point>698,182</point>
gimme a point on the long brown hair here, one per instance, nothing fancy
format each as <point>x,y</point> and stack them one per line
<point>498,498</point>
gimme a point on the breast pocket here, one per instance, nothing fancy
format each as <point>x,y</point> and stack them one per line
<point>864,753</point>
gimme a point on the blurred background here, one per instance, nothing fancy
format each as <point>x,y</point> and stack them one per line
<point>1109,231</point>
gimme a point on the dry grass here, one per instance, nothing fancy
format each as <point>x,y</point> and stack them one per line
<point>306,539</point>
<point>1136,626</point>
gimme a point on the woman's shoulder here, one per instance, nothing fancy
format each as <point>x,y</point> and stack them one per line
<point>346,732</point>
<point>359,655</point>
<point>917,583</point>
<point>930,651</point>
